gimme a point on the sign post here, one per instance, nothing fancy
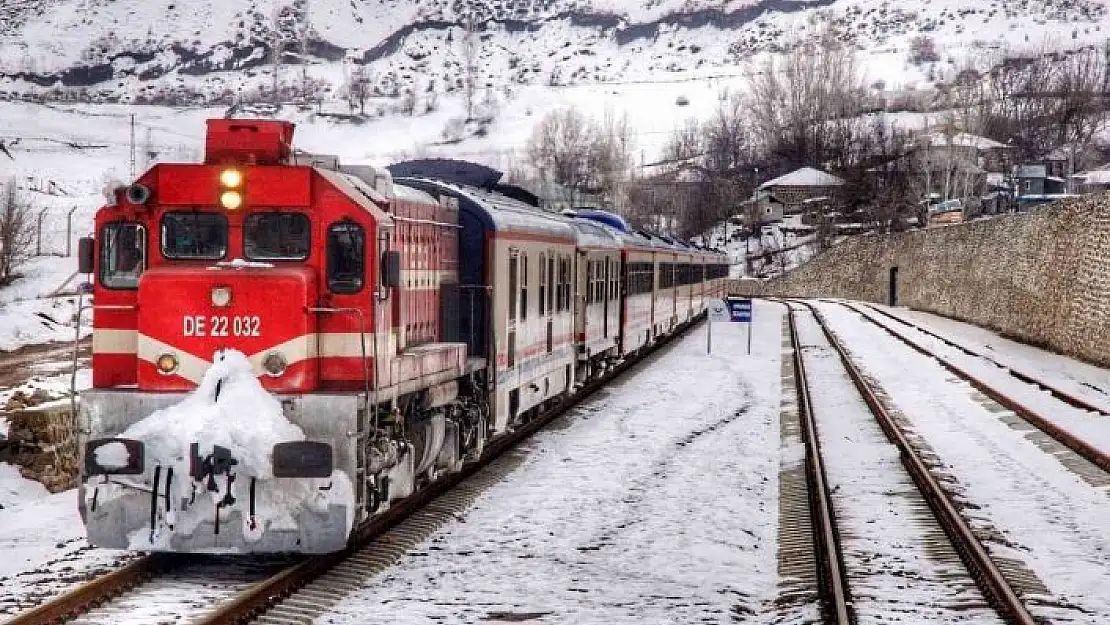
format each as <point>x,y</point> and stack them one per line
<point>718,313</point>
<point>741,311</point>
<point>730,309</point>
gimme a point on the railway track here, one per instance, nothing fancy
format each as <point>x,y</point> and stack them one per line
<point>997,581</point>
<point>1067,397</point>
<point>300,591</point>
<point>832,580</point>
<point>1060,434</point>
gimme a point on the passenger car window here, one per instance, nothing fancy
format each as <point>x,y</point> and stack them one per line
<point>276,236</point>
<point>194,236</point>
<point>346,257</point>
<point>122,255</point>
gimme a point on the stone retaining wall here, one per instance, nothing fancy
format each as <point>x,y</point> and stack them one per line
<point>42,442</point>
<point>1042,277</point>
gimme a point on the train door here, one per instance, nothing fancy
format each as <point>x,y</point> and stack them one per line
<point>892,293</point>
<point>674,292</point>
<point>605,299</point>
<point>548,306</point>
<point>514,281</point>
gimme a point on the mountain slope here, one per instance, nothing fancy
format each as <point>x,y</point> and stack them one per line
<point>125,49</point>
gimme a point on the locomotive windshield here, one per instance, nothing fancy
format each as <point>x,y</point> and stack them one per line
<point>194,236</point>
<point>276,236</point>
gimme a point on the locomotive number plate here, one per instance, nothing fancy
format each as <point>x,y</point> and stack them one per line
<point>221,325</point>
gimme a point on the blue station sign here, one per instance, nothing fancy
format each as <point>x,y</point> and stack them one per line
<point>739,309</point>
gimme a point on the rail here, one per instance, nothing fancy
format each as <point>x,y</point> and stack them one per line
<point>1064,396</point>
<point>834,584</point>
<point>1061,435</point>
<point>93,593</point>
<point>983,569</point>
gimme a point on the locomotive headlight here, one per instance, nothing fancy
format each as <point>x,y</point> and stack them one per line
<point>231,178</point>
<point>167,364</point>
<point>274,364</point>
<point>221,297</point>
<point>231,200</point>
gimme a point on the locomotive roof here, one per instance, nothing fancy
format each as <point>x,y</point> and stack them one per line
<point>358,191</point>
<point>499,212</point>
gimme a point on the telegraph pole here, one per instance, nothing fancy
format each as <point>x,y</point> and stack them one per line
<point>132,147</point>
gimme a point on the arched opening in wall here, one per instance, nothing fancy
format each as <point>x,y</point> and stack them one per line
<point>892,292</point>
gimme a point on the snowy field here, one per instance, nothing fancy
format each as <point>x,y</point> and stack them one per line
<point>654,502</point>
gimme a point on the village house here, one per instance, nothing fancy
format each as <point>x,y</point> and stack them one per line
<point>1035,186</point>
<point>791,192</point>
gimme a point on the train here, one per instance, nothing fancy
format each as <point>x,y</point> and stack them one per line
<point>403,317</point>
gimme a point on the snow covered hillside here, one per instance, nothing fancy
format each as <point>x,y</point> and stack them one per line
<point>130,49</point>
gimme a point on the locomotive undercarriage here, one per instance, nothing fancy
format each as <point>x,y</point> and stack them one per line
<point>421,436</point>
<point>414,440</point>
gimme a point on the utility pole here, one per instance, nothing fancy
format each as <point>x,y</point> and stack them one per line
<point>306,27</point>
<point>132,146</point>
<point>275,55</point>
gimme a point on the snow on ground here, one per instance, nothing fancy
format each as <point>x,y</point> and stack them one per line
<point>14,488</point>
<point>886,530</point>
<point>655,503</point>
<point>43,542</point>
<point>1043,514</point>
<point>1084,380</point>
<point>1091,427</point>
<point>29,314</point>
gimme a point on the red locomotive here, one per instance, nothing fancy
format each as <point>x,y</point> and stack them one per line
<point>403,317</point>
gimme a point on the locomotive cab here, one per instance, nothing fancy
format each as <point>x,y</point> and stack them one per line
<point>292,266</point>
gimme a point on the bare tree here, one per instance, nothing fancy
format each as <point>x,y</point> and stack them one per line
<point>358,88</point>
<point>923,50</point>
<point>880,186</point>
<point>408,102</point>
<point>17,233</point>
<point>802,106</point>
<point>1040,100</point>
<point>610,156</point>
<point>431,100</point>
<point>583,155</point>
<point>730,175</point>
<point>560,148</point>
<point>685,142</point>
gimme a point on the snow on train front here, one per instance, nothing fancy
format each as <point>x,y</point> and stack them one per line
<point>211,472</point>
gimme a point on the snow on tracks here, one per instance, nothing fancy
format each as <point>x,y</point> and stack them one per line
<point>1027,506</point>
<point>896,557</point>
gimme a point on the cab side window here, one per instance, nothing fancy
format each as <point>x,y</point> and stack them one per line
<point>122,255</point>
<point>346,257</point>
